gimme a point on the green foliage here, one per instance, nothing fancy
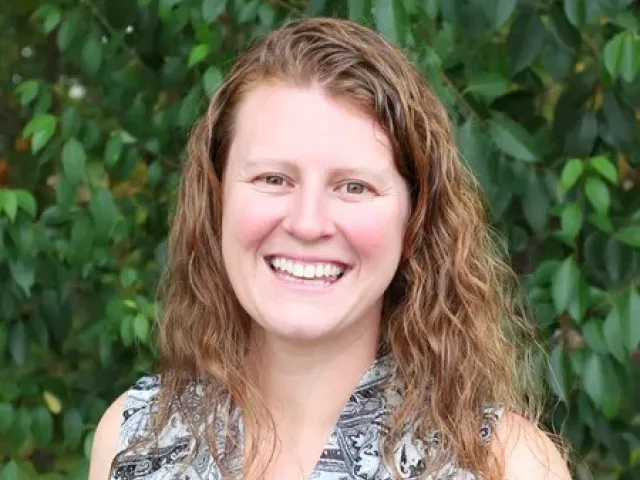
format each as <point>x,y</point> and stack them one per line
<point>544,95</point>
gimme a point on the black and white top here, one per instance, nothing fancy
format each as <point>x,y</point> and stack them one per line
<point>353,451</point>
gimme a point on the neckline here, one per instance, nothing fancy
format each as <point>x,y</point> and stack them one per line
<point>365,408</point>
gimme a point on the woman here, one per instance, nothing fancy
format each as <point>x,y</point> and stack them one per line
<point>336,307</point>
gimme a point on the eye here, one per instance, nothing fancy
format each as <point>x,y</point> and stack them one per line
<point>272,180</point>
<point>353,187</point>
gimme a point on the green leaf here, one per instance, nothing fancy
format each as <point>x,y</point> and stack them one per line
<point>525,40</point>
<point>141,328</point>
<point>594,379</point>
<point>267,16</point>
<point>39,140</point>
<point>389,17</point>
<point>580,299</point>
<point>612,396</point>
<point>598,194</point>
<point>52,19</point>
<point>592,330</point>
<point>23,236</point>
<point>104,211</point>
<point>626,20</point>
<point>189,108</point>
<point>72,428</point>
<point>488,85</point>
<point>535,202</point>
<point>498,11</point>
<point>26,202</point>
<point>431,8</point>
<point>579,140</point>
<point>73,161</point>
<point>602,385</point>
<point>70,122</point>
<point>4,339</point>
<point>128,277</point>
<point>18,344</point>
<point>42,425</point>
<point>211,80</point>
<point>571,173</point>
<point>81,241</point>
<point>613,330</point>
<point>564,285</point>
<point>198,54</point>
<point>28,90</point>
<point>249,11</point>
<point>113,150</point>
<point>629,308</point>
<point>9,203</point>
<point>473,143</point>
<point>602,221</point>
<point>622,55</point>
<point>358,9</point>
<point>629,235</point>
<point>23,273</point>
<point>513,139</point>
<point>559,373</point>
<point>11,471</point>
<point>571,220</point>
<point>41,128</point>
<point>576,11</point>
<point>19,433</point>
<point>42,121</point>
<point>88,444</point>
<point>126,330</point>
<point>92,56</point>
<point>605,167</point>
<point>211,9</point>
<point>167,5</point>
<point>67,33</point>
<point>6,416</point>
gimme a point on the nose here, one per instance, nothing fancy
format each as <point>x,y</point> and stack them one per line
<point>308,217</point>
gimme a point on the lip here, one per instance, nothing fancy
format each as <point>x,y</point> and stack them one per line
<point>300,286</point>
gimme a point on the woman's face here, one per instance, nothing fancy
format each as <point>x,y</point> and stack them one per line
<point>314,214</point>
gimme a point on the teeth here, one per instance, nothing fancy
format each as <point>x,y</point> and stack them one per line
<point>309,271</point>
<point>306,270</point>
<point>298,270</point>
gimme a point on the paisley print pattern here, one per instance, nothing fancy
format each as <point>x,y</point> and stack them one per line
<point>353,451</point>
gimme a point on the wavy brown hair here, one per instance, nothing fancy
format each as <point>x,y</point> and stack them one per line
<point>451,315</point>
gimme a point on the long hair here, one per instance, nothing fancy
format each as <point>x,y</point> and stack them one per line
<point>451,316</point>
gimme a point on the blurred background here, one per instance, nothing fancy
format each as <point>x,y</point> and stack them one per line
<point>96,99</point>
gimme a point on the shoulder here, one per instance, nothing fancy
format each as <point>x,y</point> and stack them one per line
<point>116,424</point>
<point>106,440</point>
<point>526,452</point>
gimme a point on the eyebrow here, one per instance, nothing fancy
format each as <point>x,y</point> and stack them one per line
<point>381,176</point>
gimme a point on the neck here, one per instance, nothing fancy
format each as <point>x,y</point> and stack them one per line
<point>305,385</point>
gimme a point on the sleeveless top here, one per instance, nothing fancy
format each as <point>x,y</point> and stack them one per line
<point>353,450</point>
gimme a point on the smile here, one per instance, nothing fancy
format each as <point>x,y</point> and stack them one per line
<point>324,272</point>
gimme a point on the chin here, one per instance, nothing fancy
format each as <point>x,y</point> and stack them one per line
<point>309,332</point>
<point>304,328</point>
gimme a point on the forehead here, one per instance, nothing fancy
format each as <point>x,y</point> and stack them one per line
<point>278,120</point>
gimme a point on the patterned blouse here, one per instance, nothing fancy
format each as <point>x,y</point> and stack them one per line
<point>353,451</point>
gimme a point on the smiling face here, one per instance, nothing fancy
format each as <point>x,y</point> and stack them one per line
<point>314,214</point>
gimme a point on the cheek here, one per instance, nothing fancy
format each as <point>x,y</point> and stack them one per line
<point>248,220</point>
<point>375,232</point>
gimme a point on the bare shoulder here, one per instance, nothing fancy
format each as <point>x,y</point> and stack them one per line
<point>527,452</point>
<point>105,440</point>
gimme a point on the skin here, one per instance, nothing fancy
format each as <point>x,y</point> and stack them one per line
<point>312,178</point>
<point>290,192</point>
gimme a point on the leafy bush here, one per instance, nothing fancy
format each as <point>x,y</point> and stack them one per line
<point>99,96</point>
